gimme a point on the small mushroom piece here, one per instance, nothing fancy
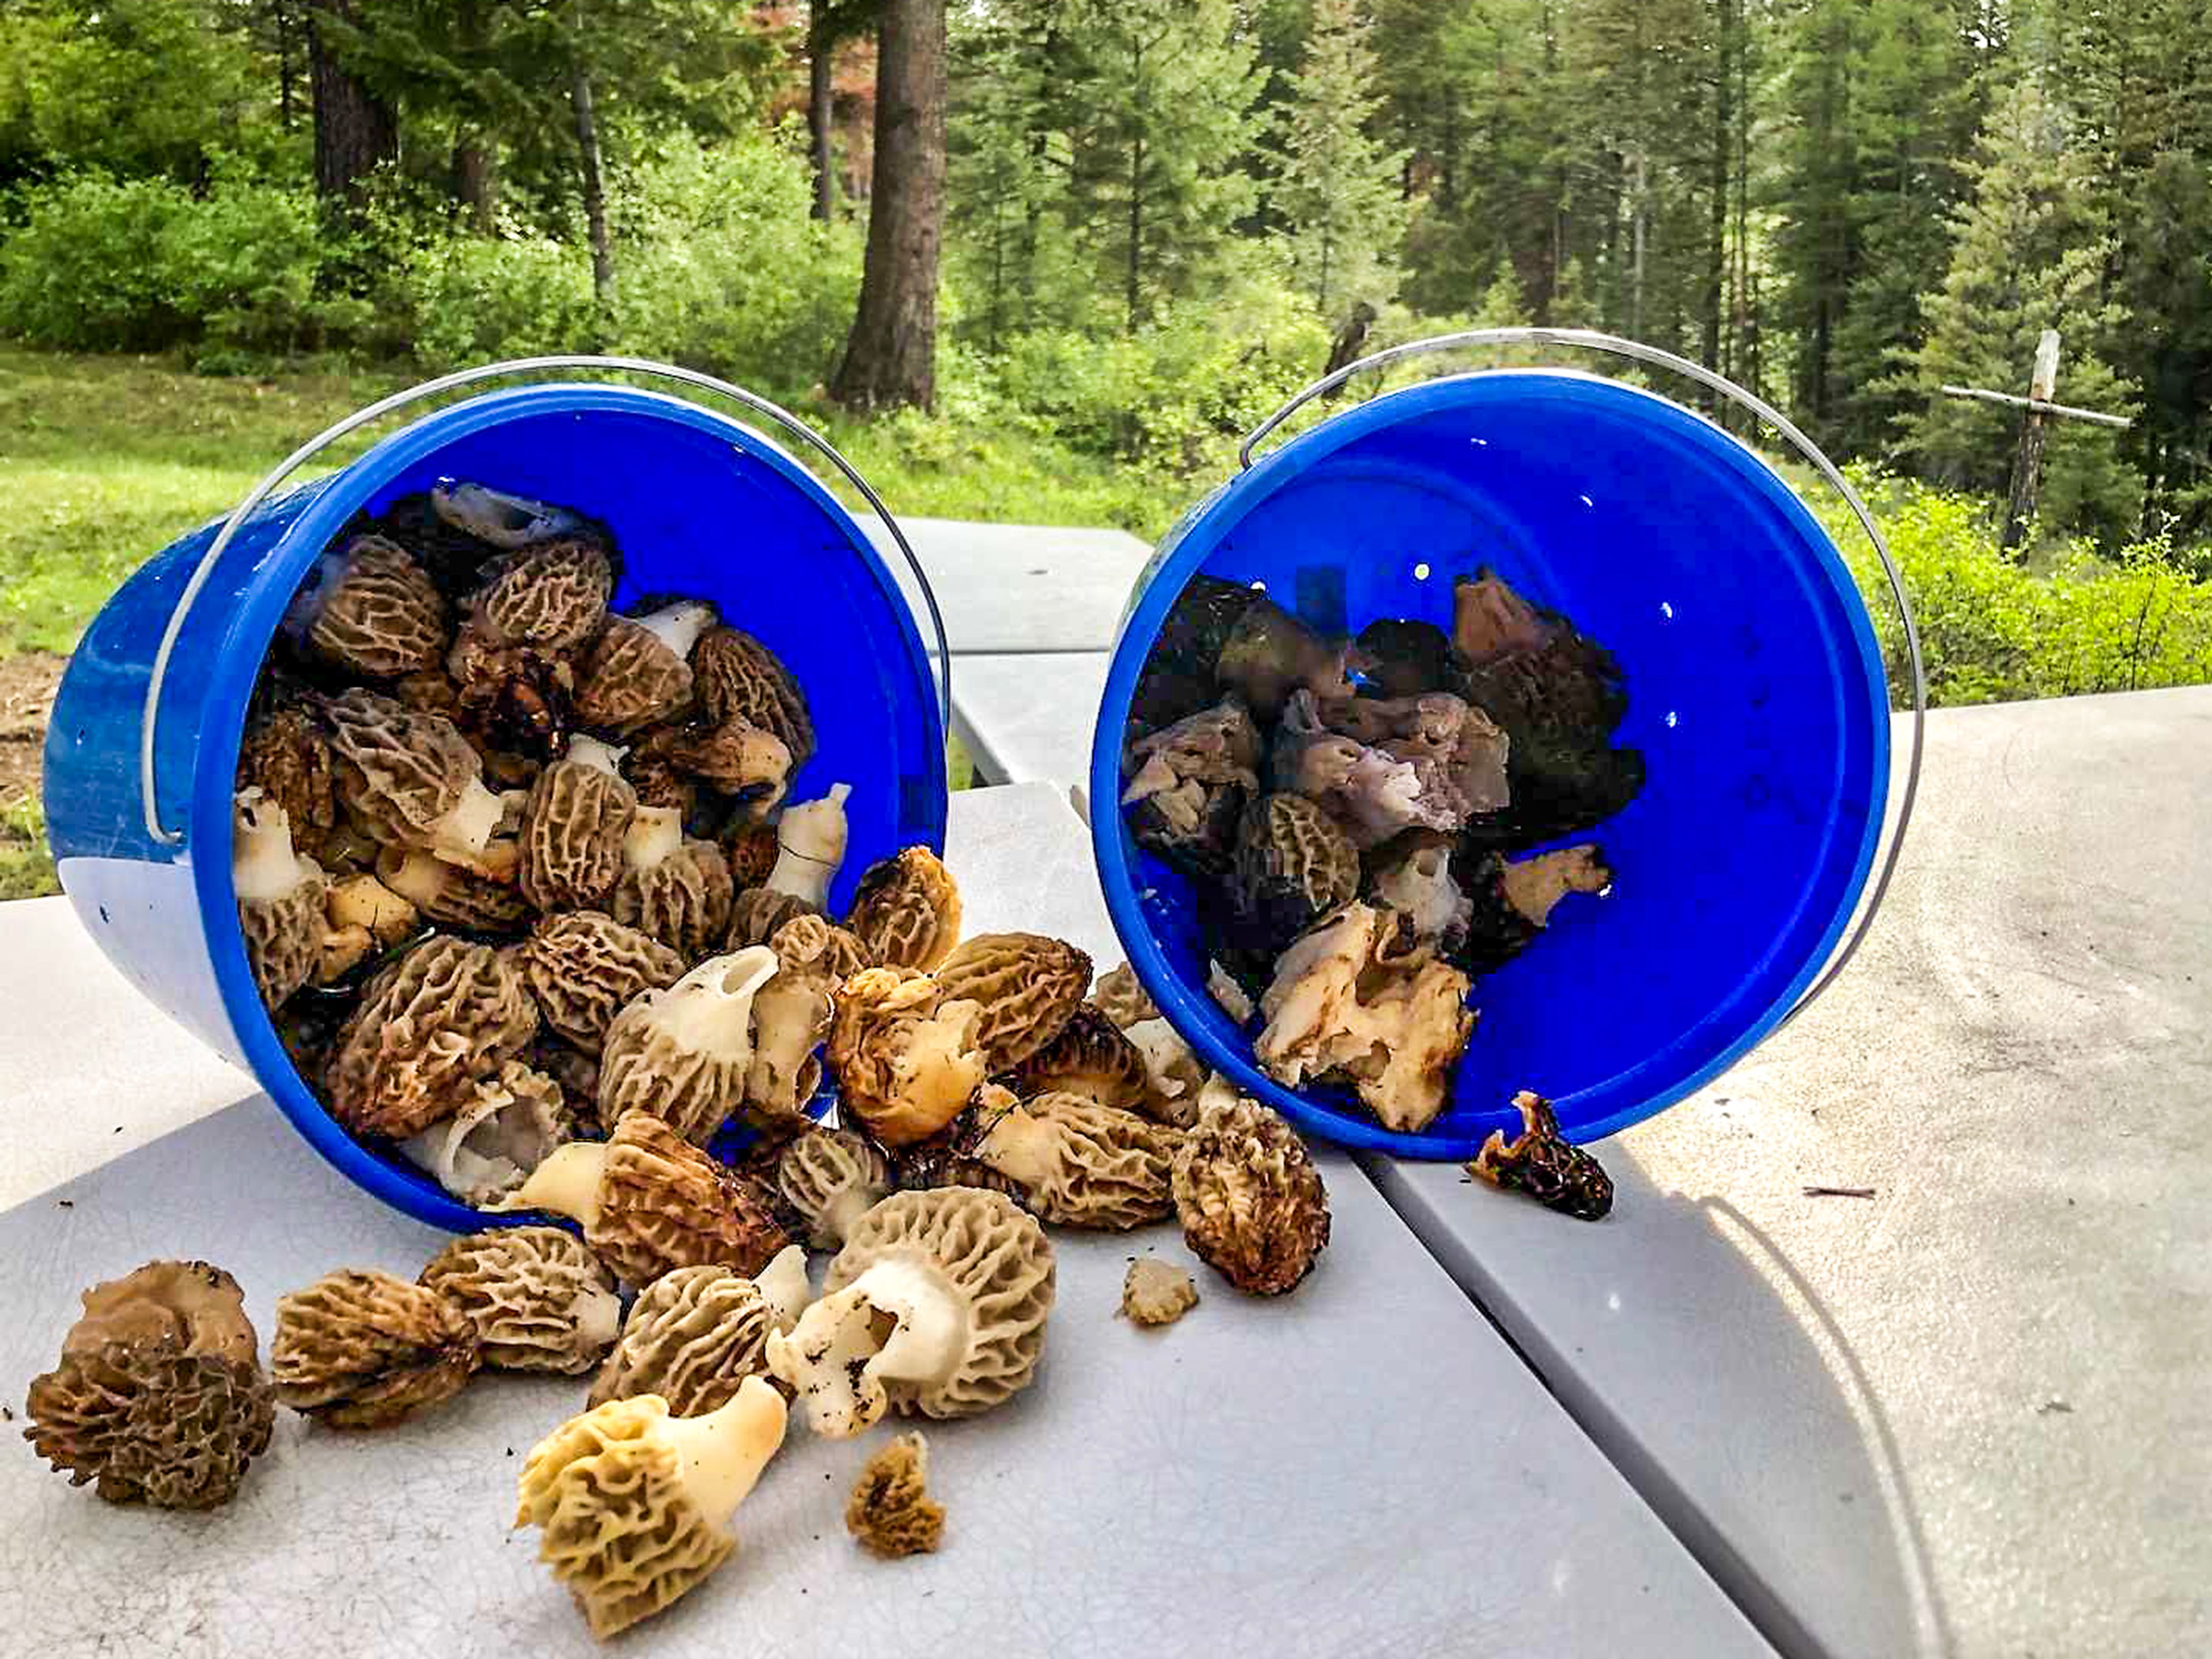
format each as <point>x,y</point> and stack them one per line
<point>832,1177</point>
<point>749,847</point>
<point>906,911</point>
<point>1511,901</point>
<point>1292,864</point>
<point>585,968</point>
<point>451,896</point>
<point>791,1017</point>
<point>411,779</point>
<point>682,1056</point>
<point>1232,998</point>
<point>1081,1164</point>
<point>1360,997</point>
<point>810,841</point>
<point>281,899</point>
<point>364,901</point>
<point>638,671</point>
<point>1174,1073</point>
<point>905,1054</point>
<point>1375,790</point>
<point>573,827</point>
<point>1091,1057</point>
<point>1156,1293</point>
<point>490,1145</point>
<point>286,756</point>
<point>551,594</point>
<point>445,1014</point>
<point>1186,786</point>
<point>695,1334</point>
<point>1118,995</point>
<point>936,1304</point>
<point>890,1511</point>
<point>1544,1163</point>
<point>497,519</point>
<point>363,1350</point>
<point>1029,986</point>
<point>635,1504</point>
<point>1251,1202</point>
<point>538,1298</point>
<point>1414,877</point>
<point>675,890</point>
<point>1270,653</point>
<point>369,608</point>
<point>650,1201</point>
<point>158,1394</point>
<point>739,678</point>
<point>759,914</point>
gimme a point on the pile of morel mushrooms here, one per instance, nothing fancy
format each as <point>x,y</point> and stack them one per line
<point>1349,812</point>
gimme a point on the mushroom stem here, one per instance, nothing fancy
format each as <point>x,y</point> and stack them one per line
<point>461,835</point>
<point>710,1010</point>
<point>723,1453</point>
<point>263,865</point>
<point>655,833</point>
<point>846,1207</point>
<point>678,625</point>
<point>899,1322</point>
<point>783,1286</point>
<point>810,841</point>
<point>566,1183</point>
<point>590,751</point>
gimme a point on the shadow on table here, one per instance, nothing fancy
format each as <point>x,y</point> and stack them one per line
<point>1698,1345</point>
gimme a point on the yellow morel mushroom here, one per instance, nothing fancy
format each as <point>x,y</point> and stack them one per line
<point>426,1028</point>
<point>890,1511</point>
<point>832,1177</point>
<point>810,841</point>
<point>672,889</point>
<point>905,1055</point>
<point>906,911</point>
<point>572,828</point>
<point>369,607</point>
<point>1028,986</point>
<point>738,758</point>
<point>936,1304</point>
<point>1082,1164</point>
<point>634,1504</point>
<point>538,1298</point>
<point>363,1350</point>
<point>281,899</point>
<point>638,671</point>
<point>585,968</point>
<point>1118,995</point>
<point>695,1334</point>
<point>410,779</point>
<point>1156,1293</point>
<point>683,1054</point>
<point>286,756</point>
<point>1251,1202</point>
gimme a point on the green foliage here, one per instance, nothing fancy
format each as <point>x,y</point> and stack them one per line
<point>27,867</point>
<point>1338,190</point>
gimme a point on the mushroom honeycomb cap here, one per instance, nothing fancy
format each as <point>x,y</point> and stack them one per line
<point>1083,1164</point>
<point>1252,1203</point>
<point>158,1394</point>
<point>756,913</point>
<point>445,1014</point>
<point>284,936</point>
<point>750,846</point>
<point>631,678</point>
<point>385,617</point>
<point>890,1511</point>
<point>1292,864</point>
<point>906,912</point>
<point>553,595</point>
<point>693,1336</point>
<point>735,757</point>
<point>738,676</point>
<point>684,1055</point>
<point>453,896</point>
<point>664,1203</point>
<point>1028,985</point>
<point>398,772</point>
<point>1091,1057</point>
<point>1187,785</point>
<point>538,1297</point>
<point>832,1177</point>
<point>286,756</point>
<point>905,1054</point>
<point>572,827</point>
<point>1156,1293</point>
<point>363,1350</point>
<point>584,967</point>
<point>1118,997</point>
<point>684,901</point>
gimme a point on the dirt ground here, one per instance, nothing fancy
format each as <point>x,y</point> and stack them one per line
<point>26,696</point>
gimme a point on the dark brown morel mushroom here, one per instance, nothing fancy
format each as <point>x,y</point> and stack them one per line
<point>1542,1162</point>
<point>1400,657</point>
<point>362,1350</point>
<point>159,1395</point>
<point>1271,654</point>
<point>1177,680</point>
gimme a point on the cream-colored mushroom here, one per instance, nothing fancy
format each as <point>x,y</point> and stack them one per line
<point>936,1304</point>
<point>635,1504</point>
<point>364,901</point>
<point>1176,1074</point>
<point>810,846</point>
<point>791,1017</point>
<point>538,1298</point>
<point>411,779</point>
<point>574,828</point>
<point>1081,1164</point>
<point>906,1056</point>
<point>281,898</point>
<point>890,1511</point>
<point>1156,1293</point>
<point>490,1145</point>
<point>695,1334</point>
<point>832,1177</point>
<point>683,1054</point>
<point>1119,996</point>
<point>676,891</point>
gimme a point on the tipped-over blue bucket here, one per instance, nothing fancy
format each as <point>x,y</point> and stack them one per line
<point>1755,690</point>
<point>699,503</point>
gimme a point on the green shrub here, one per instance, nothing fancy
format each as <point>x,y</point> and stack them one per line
<point>459,299</point>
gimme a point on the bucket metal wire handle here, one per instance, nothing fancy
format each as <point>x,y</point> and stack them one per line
<point>515,367</point>
<point>1592,340</point>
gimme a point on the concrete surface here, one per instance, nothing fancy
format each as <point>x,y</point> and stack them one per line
<point>1018,588</point>
<point>1029,719</point>
<point>1970,1415</point>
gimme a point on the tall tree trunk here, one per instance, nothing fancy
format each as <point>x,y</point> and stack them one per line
<point>821,105</point>
<point>1136,265</point>
<point>1717,210</point>
<point>476,186</point>
<point>595,198</point>
<point>355,132</point>
<point>287,71</point>
<point>891,357</point>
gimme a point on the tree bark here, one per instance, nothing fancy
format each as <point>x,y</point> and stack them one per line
<point>1717,210</point>
<point>2027,481</point>
<point>476,186</point>
<point>355,132</point>
<point>890,356</point>
<point>595,199</point>
<point>821,105</point>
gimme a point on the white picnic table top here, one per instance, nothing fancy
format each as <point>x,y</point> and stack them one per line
<point>1011,587</point>
<point>1361,1467</point>
<point>1028,718</point>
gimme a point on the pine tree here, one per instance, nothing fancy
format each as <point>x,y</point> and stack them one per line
<point>1337,194</point>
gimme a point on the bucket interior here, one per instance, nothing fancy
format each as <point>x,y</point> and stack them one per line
<point>1755,692</point>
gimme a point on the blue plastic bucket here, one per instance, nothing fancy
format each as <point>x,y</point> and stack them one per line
<point>1756,692</point>
<point>700,504</point>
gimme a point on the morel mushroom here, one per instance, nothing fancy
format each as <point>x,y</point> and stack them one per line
<point>365,902</point>
<point>585,968</point>
<point>1091,1057</point>
<point>511,697</point>
<point>551,594</point>
<point>756,913</point>
<point>1292,864</point>
<point>159,1395</point>
<point>810,841</point>
<point>694,1336</point>
<point>1359,997</point>
<point>1413,876</point>
<point>1466,750</point>
<point>286,756</point>
<point>675,890</point>
<point>1400,657</point>
<point>1376,789</point>
<point>650,1201</point>
<point>490,1145</point>
<point>1156,1293</point>
<point>1177,678</point>
<point>411,779</point>
<point>1028,986</point>
<point>442,1015</point>
<point>449,894</point>
<point>1251,1202</point>
<point>1270,653</point>
<point>1544,1163</point>
<point>906,1054</point>
<point>737,757</point>
<point>1189,783</point>
<point>538,1298</point>
<point>635,1504</point>
<point>369,607</point>
<point>683,1054</point>
<point>1081,1164</point>
<point>572,829</point>
<point>281,899</point>
<point>496,518</point>
<point>639,670</point>
<point>1120,997</point>
<point>936,1304</point>
<point>739,678</point>
<point>748,845</point>
<point>890,1511</point>
<point>363,1350</point>
<point>791,1017</point>
<point>1511,901</point>
<point>832,1177</point>
<point>906,911</point>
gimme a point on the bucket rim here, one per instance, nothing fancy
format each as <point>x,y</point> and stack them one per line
<point>1195,538</point>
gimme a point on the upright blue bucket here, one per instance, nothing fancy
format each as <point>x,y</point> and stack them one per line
<point>1756,691</point>
<point>700,504</point>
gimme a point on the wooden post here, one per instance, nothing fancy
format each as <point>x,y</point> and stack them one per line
<point>2027,464</point>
